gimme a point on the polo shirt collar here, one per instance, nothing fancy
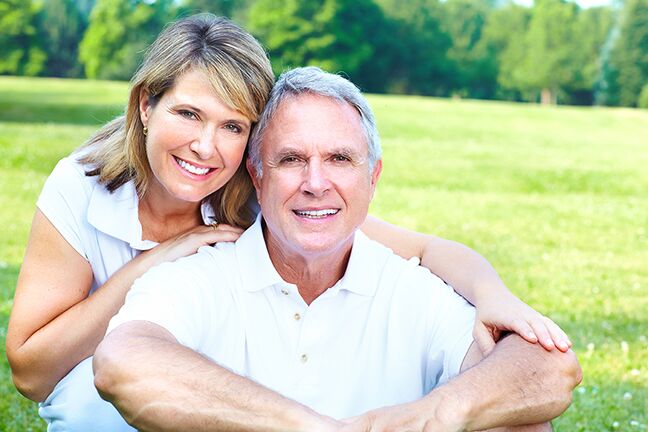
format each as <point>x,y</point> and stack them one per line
<point>255,267</point>
<point>257,271</point>
<point>116,214</point>
<point>356,277</point>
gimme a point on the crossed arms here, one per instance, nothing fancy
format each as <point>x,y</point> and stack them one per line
<point>158,384</point>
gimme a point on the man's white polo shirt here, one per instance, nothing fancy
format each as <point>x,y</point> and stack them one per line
<point>388,332</point>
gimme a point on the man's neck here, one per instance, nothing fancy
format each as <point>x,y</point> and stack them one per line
<point>312,274</point>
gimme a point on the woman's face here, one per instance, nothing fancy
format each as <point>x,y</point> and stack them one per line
<point>194,143</point>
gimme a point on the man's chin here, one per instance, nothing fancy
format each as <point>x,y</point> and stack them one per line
<point>316,244</point>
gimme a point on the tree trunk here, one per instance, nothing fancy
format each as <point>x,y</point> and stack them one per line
<point>547,97</point>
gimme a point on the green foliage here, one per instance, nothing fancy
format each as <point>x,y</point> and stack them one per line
<point>62,25</point>
<point>229,8</point>
<point>643,98</point>
<point>549,64</point>
<point>419,49</point>
<point>591,31</point>
<point>628,68</point>
<point>21,51</point>
<point>501,37</point>
<point>553,196</point>
<point>119,33</point>
<point>325,33</point>
<point>475,69</point>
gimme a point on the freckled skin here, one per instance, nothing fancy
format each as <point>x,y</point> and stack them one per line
<point>190,122</point>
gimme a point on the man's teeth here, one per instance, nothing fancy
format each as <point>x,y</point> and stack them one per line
<point>192,169</point>
<point>316,213</point>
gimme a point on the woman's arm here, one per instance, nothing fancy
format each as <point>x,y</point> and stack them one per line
<point>54,324</point>
<point>472,276</point>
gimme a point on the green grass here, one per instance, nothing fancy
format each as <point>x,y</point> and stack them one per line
<point>556,198</point>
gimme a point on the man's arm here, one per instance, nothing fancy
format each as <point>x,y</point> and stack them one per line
<point>517,384</point>
<point>158,384</point>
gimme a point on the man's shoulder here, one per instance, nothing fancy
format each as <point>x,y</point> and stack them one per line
<point>209,265</point>
<point>392,266</point>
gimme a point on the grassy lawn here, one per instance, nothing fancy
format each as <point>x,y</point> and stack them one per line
<point>556,198</point>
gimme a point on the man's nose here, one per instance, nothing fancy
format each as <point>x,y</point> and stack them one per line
<point>316,179</point>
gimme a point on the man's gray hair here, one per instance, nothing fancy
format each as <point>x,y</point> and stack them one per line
<point>313,80</point>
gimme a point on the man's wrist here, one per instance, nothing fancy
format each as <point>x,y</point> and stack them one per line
<point>306,420</point>
<point>446,409</point>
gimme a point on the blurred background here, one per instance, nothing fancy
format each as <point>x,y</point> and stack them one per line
<point>551,51</point>
<point>481,142</point>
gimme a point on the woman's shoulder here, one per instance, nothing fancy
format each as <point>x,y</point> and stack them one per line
<point>67,185</point>
<point>68,167</point>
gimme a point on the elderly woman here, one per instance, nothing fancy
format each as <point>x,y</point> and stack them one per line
<point>155,185</point>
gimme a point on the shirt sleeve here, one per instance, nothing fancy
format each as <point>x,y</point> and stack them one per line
<point>449,323</point>
<point>179,296</point>
<point>64,202</point>
<point>453,325</point>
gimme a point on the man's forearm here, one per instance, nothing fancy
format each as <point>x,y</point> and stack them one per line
<point>517,384</point>
<point>157,384</point>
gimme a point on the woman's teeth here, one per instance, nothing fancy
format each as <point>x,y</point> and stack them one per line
<point>192,169</point>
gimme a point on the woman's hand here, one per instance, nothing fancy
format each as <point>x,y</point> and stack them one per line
<point>190,241</point>
<point>497,315</point>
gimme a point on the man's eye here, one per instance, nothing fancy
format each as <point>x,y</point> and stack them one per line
<point>340,158</point>
<point>289,159</point>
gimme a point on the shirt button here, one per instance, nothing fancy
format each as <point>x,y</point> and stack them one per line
<point>297,317</point>
<point>304,358</point>
<point>284,291</point>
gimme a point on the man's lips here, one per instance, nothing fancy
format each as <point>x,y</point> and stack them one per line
<point>316,214</point>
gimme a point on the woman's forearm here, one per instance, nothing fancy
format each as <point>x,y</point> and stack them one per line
<point>41,360</point>
<point>470,274</point>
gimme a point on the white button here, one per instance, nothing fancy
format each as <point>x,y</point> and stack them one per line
<point>304,358</point>
<point>297,317</point>
<point>284,291</point>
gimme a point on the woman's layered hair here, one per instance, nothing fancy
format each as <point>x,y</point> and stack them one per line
<point>240,73</point>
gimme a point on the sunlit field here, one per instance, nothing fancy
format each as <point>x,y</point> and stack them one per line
<point>556,198</point>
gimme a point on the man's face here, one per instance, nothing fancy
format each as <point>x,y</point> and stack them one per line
<point>316,184</point>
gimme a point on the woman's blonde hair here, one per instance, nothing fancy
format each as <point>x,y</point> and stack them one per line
<point>241,76</point>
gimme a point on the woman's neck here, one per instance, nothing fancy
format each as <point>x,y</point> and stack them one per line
<point>162,218</point>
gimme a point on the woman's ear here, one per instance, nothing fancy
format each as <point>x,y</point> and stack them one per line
<point>144,106</point>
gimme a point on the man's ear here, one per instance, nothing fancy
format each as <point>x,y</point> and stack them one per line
<point>253,174</point>
<point>144,106</point>
<point>375,175</point>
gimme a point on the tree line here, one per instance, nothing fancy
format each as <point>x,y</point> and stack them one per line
<point>552,52</point>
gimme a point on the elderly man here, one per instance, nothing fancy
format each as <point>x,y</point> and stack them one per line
<point>306,324</point>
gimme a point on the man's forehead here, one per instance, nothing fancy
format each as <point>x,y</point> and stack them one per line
<point>293,105</point>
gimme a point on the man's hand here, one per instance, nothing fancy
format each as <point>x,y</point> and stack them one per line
<point>517,384</point>
<point>404,418</point>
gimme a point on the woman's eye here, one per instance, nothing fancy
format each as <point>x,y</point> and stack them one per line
<point>188,114</point>
<point>233,128</point>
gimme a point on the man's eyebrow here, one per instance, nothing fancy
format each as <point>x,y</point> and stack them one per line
<point>343,150</point>
<point>287,151</point>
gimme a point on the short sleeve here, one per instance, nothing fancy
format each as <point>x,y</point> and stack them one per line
<point>64,202</point>
<point>449,321</point>
<point>452,323</point>
<point>179,296</point>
